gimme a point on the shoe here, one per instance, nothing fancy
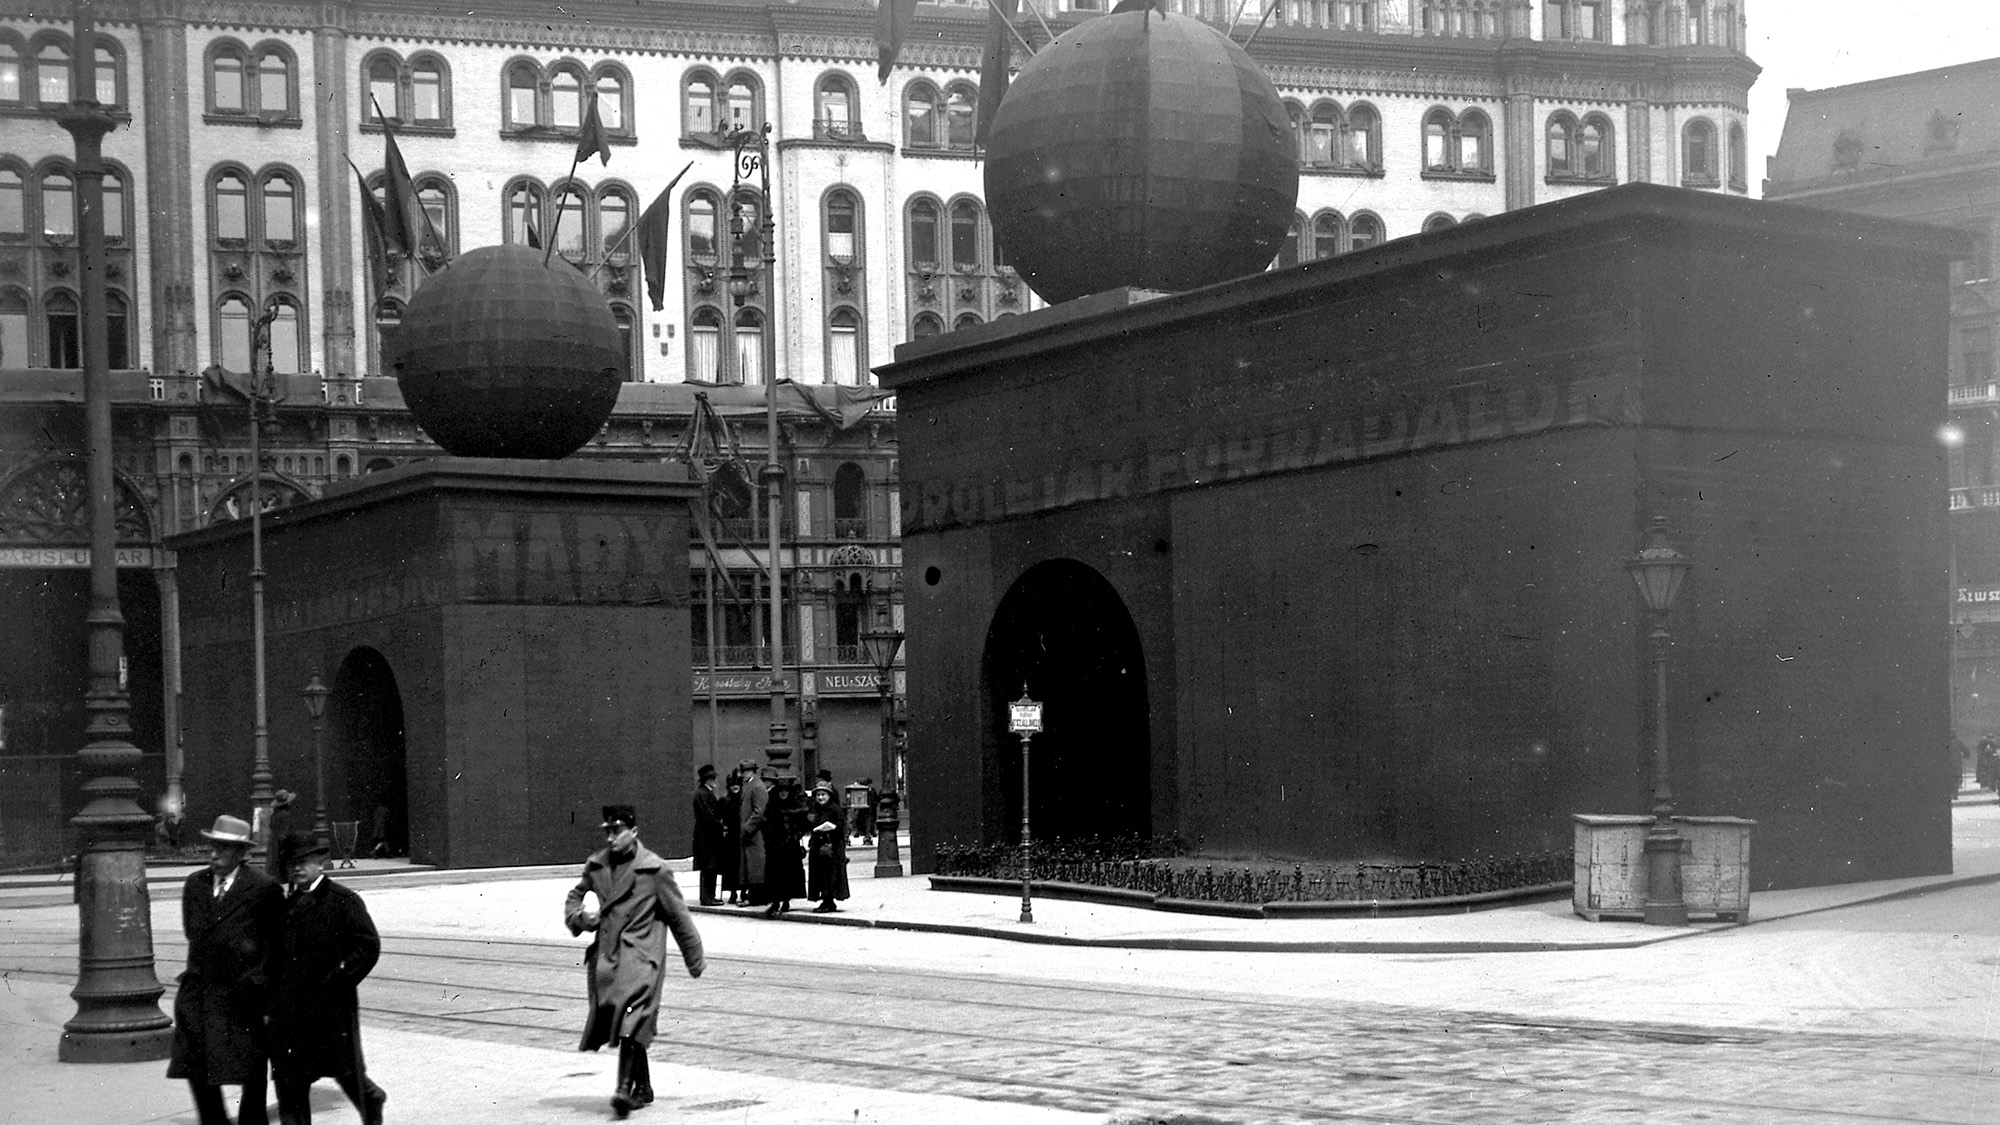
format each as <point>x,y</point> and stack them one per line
<point>785,907</point>
<point>825,908</point>
<point>711,902</point>
<point>772,910</point>
<point>621,1101</point>
<point>372,1103</point>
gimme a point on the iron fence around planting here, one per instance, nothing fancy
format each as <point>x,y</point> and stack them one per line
<point>1169,873</point>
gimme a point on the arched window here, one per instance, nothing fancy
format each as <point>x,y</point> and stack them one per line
<point>1439,221</point>
<point>842,225</point>
<point>383,86</point>
<point>741,102</point>
<point>524,213</point>
<point>1698,154</point>
<point>232,212</point>
<point>232,335</point>
<point>966,320</point>
<point>965,235</point>
<point>434,196</point>
<point>960,101</point>
<point>14,329</point>
<point>703,244</point>
<point>698,104</point>
<point>923,234</point>
<point>523,85</point>
<point>114,206</point>
<point>834,105</point>
<point>13,204</point>
<point>52,75</point>
<point>1475,149</point>
<point>1739,158</point>
<point>614,221</point>
<point>705,346</point>
<point>65,330</point>
<point>1322,130</point>
<point>430,91</point>
<point>1326,234</point>
<point>110,74</point>
<point>10,73</point>
<point>280,212</point>
<point>1594,147</point>
<point>921,115</point>
<point>843,348</point>
<point>1363,232</point>
<point>226,92</point>
<point>566,97</point>
<point>1361,138</point>
<point>1437,140</point>
<point>612,84</point>
<point>750,348</point>
<point>286,338</point>
<point>1562,145</point>
<point>274,83</point>
<point>571,233</point>
<point>926,325</point>
<point>58,204</point>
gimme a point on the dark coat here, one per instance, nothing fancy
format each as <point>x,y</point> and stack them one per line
<point>826,852</point>
<point>750,829</point>
<point>784,862</point>
<point>732,839</point>
<point>639,904</point>
<point>709,835</point>
<point>219,1010</point>
<point>329,947</point>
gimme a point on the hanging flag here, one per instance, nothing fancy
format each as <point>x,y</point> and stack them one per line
<point>892,24</point>
<point>993,66</point>
<point>655,235</point>
<point>402,216</point>
<point>372,241</point>
<point>591,138</point>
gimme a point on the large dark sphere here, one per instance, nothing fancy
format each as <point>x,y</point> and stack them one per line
<point>499,355</point>
<point>1140,149</point>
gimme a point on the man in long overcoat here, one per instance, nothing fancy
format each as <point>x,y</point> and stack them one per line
<point>230,914</point>
<point>329,947</point>
<point>709,834</point>
<point>638,906</point>
<point>750,835</point>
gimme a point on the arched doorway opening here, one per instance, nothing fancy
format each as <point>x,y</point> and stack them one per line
<point>1063,633</point>
<point>366,765</point>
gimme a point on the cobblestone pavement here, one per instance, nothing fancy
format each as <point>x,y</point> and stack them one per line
<point>1194,1038</point>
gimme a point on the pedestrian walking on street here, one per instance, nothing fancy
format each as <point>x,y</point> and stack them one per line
<point>709,836</point>
<point>638,906</point>
<point>732,838</point>
<point>826,864</point>
<point>750,834</point>
<point>230,914</point>
<point>784,862</point>
<point>328,948</point>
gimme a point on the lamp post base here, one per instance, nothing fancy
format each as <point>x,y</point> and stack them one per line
<point>888,852</point>
<point>1664,905</point>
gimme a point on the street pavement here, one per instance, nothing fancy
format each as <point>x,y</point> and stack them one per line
<point>1865,1001</point>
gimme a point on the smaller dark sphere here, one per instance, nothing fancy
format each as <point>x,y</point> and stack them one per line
<point>499,355</point>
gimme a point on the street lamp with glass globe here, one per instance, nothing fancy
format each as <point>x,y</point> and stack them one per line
<point>315,693</point>
<point>1658,570</point>
<point>881,644</point>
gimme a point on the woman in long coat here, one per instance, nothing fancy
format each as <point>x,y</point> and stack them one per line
<point>826,862</point>
<point>732,836</point>
<point>784,864</point>
<point>639,905</point>
<point>328,948</point>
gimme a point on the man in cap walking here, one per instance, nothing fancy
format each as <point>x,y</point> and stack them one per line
<point>230,914</point>
<point>638,906</point>
<point>328,949</point>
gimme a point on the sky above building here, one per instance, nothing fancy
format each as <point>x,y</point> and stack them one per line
<point>1819,43</point>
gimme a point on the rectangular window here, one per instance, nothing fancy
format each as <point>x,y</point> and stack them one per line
<point>1590,22</point>
<point>520,105</point>
<point>228,84</point>
<point>65,339</point>
<point>1976,266</point>
<point>845,353</point>
<point>1976,345</point>
<point>427,88</point>
<point>702,353</point>
<point>13,338</point>
<point>54,75</point>
<point>750,356</point>
<point>10,80</point>
<point>1555,19</point>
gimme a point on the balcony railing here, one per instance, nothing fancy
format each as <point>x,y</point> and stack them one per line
<point>1982,496</point>
<point>850,529</point>
<point>742,656</point>
<point>1974,393</point>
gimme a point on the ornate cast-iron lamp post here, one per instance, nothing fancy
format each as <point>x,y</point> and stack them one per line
<point>881,644</point>
<point>117,993</point>
<point>1658,570</point>
<point>315,693</point>
<point>261,795</point>
<point>1024,717</point>
<point>752,158</point>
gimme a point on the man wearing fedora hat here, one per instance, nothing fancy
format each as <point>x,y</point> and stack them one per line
<point>710,836</point>
<point>329,945</point>
<point>230,914</point>
<point>638,905</point>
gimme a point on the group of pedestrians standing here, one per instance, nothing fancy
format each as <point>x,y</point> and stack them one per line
<point>757,841</point>
<point>270,985</point>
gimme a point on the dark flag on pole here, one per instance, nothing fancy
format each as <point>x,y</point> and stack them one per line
<point>993,66</point>
<point>892,24</point>
<point>655,235</point>
<point>591,138</point>
<point>534,232</point>
<point>372,241</point>
<point>401,211</point>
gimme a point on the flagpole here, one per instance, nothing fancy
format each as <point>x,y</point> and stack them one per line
<point>568,182</point>
<point>1261,23</point>
<point>1022,39</point>
<point>613,252</point>
<point>1045,24</point>
<point>1230,33</point>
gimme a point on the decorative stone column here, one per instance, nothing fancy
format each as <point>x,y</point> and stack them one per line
<point>168,191</point>
<point>336,192</point>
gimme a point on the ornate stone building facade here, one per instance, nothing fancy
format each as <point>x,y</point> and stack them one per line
<point>229,199</point>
